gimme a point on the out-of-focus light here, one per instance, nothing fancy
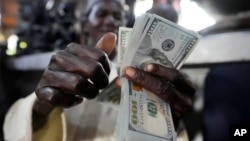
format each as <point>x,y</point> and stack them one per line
<point>23,45</point>
<point>126,7</point>
<point>49,4</point>
<point>193,16</point>
<point>142,6</point>
<point>12,45</point>
<point>10,52</point>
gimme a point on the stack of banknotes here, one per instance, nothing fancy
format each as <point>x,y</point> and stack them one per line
<point>143,116</point>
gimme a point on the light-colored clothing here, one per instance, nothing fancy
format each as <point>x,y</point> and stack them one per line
<point>89,121</point>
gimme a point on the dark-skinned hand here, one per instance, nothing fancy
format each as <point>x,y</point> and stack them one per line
<point>80,72</point>
<point>76,72</point>
<point>168,83</point>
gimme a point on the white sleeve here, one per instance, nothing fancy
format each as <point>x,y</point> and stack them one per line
<point>17,123</point>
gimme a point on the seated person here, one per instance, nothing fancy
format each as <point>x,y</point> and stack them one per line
<point>45,114</point>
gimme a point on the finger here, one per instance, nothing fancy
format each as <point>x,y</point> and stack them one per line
<point>180,103</point>
<point>159,87</point>
<point>174,76</point>
<point>54,97</point>
<point>107,43</point>
<point>118,82</point>
<point>42,107</point>
<point>86,67</point>
<point>150,82</point>
<point>67,82</point>
<point>89,52</point>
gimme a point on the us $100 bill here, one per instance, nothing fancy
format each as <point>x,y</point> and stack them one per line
<point>143,115</point>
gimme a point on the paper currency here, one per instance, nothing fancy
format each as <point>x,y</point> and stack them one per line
<point>111,94</point>
<point>123,40</point>
<point>144,116</point>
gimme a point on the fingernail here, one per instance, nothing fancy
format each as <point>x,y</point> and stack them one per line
<point>107,43</point>
<point>130,72</point>
<point>150,67</point>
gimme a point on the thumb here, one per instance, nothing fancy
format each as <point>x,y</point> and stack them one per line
<point>107,43</point>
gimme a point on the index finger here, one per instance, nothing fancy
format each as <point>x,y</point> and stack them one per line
<point>174,76</point>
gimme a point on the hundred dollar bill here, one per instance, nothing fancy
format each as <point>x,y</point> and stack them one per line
<point>136,36</point>
<point>165,43</point>
<point>124,36</point>
<point>111,94</point>
<point>123,40</point>
<point>145,116</point>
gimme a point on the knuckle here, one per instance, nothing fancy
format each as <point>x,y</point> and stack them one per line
<point>162,88</point>
<point>78,80</point>
<point>71,45</point>
<point>139,76</point>
<point>176,75</point>
<point>57,57</point>
<point>163,92</point>
<point>94,68</point>
<point>46,94</point>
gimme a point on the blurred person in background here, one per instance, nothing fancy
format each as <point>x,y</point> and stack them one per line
<point>43,115</point>
<point>224,49</point>
<point>159,2</point>
<point>164,10</point>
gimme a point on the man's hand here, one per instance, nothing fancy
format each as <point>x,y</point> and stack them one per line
<point>75,73</point>
<point>168,83</point>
